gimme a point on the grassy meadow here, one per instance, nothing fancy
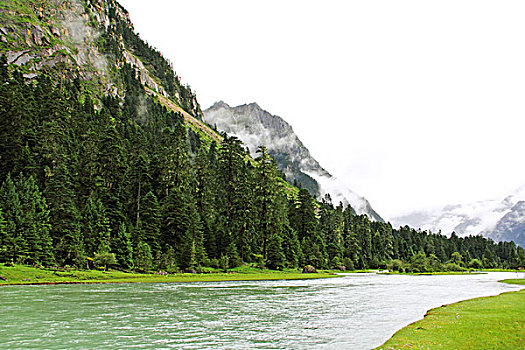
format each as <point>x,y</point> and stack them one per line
<point>20,274</point>
<point>496,322</point>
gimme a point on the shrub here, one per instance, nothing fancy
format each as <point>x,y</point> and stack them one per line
<point>395,265</point>
<point>105,259</point>
<point>349,264</point>
<point>450,266</point>
<point>475,264</point>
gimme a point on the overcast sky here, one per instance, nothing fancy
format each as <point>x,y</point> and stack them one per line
<point>412,103</point>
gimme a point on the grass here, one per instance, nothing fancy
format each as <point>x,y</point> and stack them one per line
<point>20,274</point>
<point>484,323</point>
<point>434,273</point>
<point>500,270</point>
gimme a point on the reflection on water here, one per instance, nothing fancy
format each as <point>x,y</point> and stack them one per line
<point>358,311</point>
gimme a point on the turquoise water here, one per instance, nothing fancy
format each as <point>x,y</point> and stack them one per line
<point>359,311</point>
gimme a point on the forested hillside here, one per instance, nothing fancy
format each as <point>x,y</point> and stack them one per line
<point>79,182</point>
<point>117,167</point>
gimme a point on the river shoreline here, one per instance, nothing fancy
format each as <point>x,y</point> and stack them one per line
<point>479,323</point>
<point>358,311</point>
<point>24,275</point>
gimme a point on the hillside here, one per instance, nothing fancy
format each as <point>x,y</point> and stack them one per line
<point>255,126</point>
<point>106,161</point>
<point>511,227</point>
<point>88,42</point>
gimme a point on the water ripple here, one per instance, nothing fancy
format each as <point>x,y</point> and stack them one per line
<point>359,311</point>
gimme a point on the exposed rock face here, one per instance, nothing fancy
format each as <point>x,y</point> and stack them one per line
<point>309,269</point>
<point>89,40</point>
<point>143,74</point>
<point>511,227</point>
<point>256,127</point>
<point>57,33</point>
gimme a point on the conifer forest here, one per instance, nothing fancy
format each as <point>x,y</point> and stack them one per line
<point>122,179</point>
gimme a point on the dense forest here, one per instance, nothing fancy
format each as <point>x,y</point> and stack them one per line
<point>118,179</point>
<point>138,189</point>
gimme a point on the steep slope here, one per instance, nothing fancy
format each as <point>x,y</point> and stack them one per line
<point>105,158</point>
<point>500,219</point>
<point>91,42</point>
<point>255,126</point>
<point>510,227</point>
<point>88,41</point>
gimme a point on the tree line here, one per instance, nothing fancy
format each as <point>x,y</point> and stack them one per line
<point>137,186</point>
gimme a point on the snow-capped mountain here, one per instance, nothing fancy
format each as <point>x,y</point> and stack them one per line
<point>511,227</point>
<point>255,127</point>
<point>501,219</point>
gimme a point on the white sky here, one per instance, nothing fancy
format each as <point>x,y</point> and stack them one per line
<point>412,103</point>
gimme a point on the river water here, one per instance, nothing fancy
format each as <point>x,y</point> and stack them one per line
<point>358,311</point>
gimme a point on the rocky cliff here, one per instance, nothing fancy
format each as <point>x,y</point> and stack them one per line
<point>255,127</point>
<point>88,40</point>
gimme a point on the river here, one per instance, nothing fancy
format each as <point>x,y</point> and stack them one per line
<point>358,311</point>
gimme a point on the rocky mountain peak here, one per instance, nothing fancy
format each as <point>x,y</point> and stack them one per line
<point>220,104</point>
<point>256,126</point>
<point>511,227</point>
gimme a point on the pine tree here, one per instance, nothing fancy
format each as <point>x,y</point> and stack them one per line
<point>174,219</point>
<point>291,247</point>
<point>65,218</point>
<point>139,180</point>
<point>15,245</point>
<point>112,180</point>
<point>95,226</point>
<point>17,124</point>
<point>332,226</point>
<point>205,194</point>
<point>34,226</point>
<point>150,223</point>
<point>4,239</point>
<point>275,258</point>
<point>352,250</point>
<point>266,195</point>
<point>182,229</point>
<point>303,215</point>
<point>174,156</point>
<point>142,257</point>
<point>122,248</point>
<point>232,174</point>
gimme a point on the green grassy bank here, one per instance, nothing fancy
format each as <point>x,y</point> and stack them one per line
<point>440,273</point>
<point>496,322</point>
<point>20,274</point>
<point>466,272</point>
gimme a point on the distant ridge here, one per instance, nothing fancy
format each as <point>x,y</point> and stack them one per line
<point>501,219</point>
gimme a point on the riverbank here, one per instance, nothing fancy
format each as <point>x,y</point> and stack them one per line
<point>439,273</point>
<point>22,275</point>
<point>483,323</point>
<point>466,272</point>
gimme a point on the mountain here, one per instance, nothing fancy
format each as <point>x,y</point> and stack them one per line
<point>511,227</point>
<point>89,42</point>
<point>106,159</point>
<point>255,126</point>
<point>500,219</point>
